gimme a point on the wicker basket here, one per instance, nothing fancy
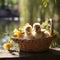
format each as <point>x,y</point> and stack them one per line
<point>34,45</point>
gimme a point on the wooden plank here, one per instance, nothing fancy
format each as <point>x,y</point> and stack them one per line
<point>50,52</point>
<point>7,54</point>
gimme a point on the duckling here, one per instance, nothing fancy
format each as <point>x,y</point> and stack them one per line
<point>8,46</point>
<point>28,32</point>
<point>37,31</point>
<point>46,32</point>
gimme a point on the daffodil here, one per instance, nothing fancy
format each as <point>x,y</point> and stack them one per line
<point>7,46</point>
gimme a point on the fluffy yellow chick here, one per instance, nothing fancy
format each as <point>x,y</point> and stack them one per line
<point>28,32</point>
<point>7,46</point>
<point>46,32</point>
<point>17,33</point>
<point>37,31</point>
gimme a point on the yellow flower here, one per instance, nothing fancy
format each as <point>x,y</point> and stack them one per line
<point>17,33</point>
<point>7,46</point>
<point>15,30</point>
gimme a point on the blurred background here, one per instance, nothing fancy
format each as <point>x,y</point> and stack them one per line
<point>16,13</point>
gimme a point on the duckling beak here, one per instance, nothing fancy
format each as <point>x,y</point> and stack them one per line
<point>28,33</point>
<point>36,29</point>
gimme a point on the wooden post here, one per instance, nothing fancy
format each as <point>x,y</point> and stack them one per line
<point>51,26</point>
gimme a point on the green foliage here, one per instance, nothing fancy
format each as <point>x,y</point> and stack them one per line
<point>46,25</point>
<point>45,3</point>
<point>14,1</point>
<point>56,40</point>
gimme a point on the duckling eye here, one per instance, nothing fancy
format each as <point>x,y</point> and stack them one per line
<point>38,27</point>
<point>28,29</point>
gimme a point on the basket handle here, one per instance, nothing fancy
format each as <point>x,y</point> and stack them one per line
<point>51,26</point>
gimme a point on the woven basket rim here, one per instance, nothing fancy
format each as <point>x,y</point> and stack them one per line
<point>15,38</point>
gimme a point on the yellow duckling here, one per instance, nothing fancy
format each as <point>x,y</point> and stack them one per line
<point>28,32</point>
<point>7,46</point>
<point>46,32</point>
<point>37,31</point>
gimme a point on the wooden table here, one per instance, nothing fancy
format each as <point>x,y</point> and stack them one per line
<point>16,55</point>
<point>7,54</point>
